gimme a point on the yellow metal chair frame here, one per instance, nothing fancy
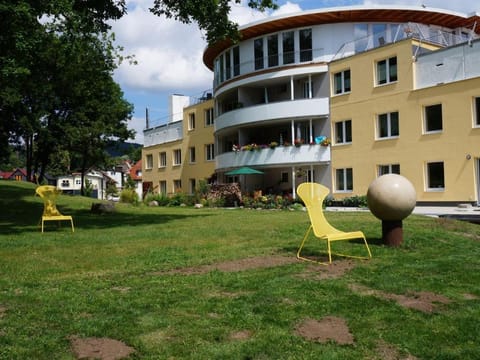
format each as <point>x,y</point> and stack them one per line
<point>49,195</point>
<point>313,195</point>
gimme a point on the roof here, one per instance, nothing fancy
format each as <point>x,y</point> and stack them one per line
<point>9,174</point>
<point>137,168</point>
<point>393,14</point>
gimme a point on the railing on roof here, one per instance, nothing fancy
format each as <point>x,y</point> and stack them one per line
<point>424,34</point>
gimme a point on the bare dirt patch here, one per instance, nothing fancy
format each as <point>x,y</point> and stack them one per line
<point>390,352</point>
<point>334,270</point>
<point>422,301</point>
<point>241,335</point>
<point>99,348</point>
<point>235,265</point>
<point>465,296</point>
<point>3,311</point>
<point>330,328</point>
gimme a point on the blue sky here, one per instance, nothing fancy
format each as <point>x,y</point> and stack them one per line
<point>169,54</point>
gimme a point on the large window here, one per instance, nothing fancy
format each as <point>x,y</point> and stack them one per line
<point>344,179</point>
<point>343,132</point>
<point>192,156</point>
<point>193,185</point>
<point>228,66</point>
<point>272,48</point>
<point>162,186</point>
<point>433,118</point>
<point>387,125</point>
<point>149,161</point>
<point>476,111</point>
<point>209,152</point>
<point>288,44</point>
<point>177,157</point>
<point>435,176</point>
<point>209,117</point>
<point>305,45</point>
<point>387,71</point>
<point>258,53</point>
<point>162,159</point>
<point>177,186</point>
<point>341,82</point>
<point>388,169</point>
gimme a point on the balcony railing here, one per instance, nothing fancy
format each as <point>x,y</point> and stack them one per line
<point>281,155</point>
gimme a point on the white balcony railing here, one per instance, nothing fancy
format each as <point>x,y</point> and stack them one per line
<point>281,155</point>
<point>306,108</point>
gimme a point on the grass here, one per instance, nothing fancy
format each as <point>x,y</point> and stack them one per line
<point>113,278</point>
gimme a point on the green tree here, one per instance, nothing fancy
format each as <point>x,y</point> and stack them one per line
<point>210,15</point>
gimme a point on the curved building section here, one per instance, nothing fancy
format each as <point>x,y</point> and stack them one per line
<point>274,86</point>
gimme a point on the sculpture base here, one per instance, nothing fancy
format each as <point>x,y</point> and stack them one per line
<point>392,232</point>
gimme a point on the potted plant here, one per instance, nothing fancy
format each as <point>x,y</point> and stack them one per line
<point>326,142</point>
<point>298,142</point>
<point>273,145</point>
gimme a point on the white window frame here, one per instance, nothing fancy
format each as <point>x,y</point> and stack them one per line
<point>428,179</point>
<point>191,121</point>
<point>209,119</point>
<point>193,185</point>
<point>149,161</point>
<point>192,155</point>
<point>426,119</point>
<point>476,111</point>
<point>343,140</point>
<point>177,185</point>
<point>162,159</point>
<point>389,126</point>
<point>210,152</point>
<point>389,169</point>
<point>345,173</point>
<point>391,71</point>
<point>177,157</point>
<point>162,186</point>
<point>343,88</point>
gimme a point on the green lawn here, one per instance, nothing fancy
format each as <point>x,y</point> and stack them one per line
<point>130,276</point>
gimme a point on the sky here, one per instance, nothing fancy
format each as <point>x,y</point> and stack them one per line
<point>169,53</point>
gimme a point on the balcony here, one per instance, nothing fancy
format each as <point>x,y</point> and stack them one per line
<point>280,156</point>
<point>305,108</point>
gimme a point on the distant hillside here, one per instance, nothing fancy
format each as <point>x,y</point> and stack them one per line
<point>122,148</point>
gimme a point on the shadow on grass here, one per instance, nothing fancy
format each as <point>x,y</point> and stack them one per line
<point>22,210</point>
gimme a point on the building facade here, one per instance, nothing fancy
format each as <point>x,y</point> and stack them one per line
<point>181,153</point>
<point>337,96</point>
<point>289,81</point>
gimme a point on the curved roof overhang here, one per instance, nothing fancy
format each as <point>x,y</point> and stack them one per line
<point>347,14</point>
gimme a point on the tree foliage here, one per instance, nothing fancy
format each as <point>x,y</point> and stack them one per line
<point>210,15</point>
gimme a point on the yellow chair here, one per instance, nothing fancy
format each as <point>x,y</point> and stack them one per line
<point>49,195</point>
<point>313,195</point>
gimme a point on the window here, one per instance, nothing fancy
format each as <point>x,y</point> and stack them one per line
<point>193,185</point>
<point>209,152</point>
<point>78,182</point>
<point>272,48</point>
<point>236,61</point>
<point>149,161</point>
<point>379,34</point>
<point>344,179</point>
<point>343,132</point>
<point>222,69</point>
<point>361,37</point>
<point>191,121</point>
<point>65,183</point>
<point>476,111</point>
<point>284,177</point>
<point>162,187</point>
<point>177,186</point>
<point>228,66</point>
<point>387,125</point>
<point>191,152</point>
<point>433,118</point>
<point>307,89</point>
<point>387,71</point>
<point>388,169</point>
<point>305,45</point>
<point>209,117</point>
<point>288,44</point>
<point>162,159</point>
<point>341,82</point>
<point>258,53</point>
<point>177,157</point>
<point>435,176</point>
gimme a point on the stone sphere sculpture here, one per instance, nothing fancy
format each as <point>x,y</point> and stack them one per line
<point>391,198</point>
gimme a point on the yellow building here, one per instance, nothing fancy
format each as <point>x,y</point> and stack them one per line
<point>411,108</point>
<point>179,154</point>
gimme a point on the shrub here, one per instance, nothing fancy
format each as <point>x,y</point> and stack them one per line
<point>129,196</point>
